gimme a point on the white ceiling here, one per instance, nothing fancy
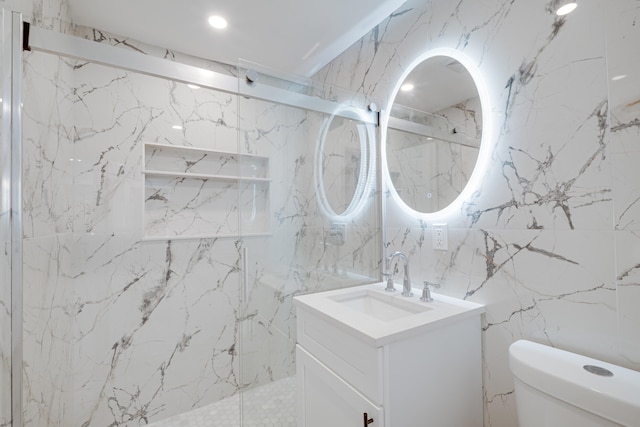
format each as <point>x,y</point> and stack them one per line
<point>293,36</point>
<point>439,82</point>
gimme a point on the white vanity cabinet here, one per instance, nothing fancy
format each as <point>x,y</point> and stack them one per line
<point>327,400</point>
<point>401,373</point>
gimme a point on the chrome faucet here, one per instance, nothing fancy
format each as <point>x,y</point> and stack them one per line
<point>426,293</point>
<point>406,281</point>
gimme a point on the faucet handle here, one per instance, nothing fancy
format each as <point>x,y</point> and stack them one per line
<point>390,286</point>
<point>426,292</point>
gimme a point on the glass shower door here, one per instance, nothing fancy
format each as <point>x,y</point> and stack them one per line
<point>132,278</point>
<point>267,137</point>
<point>291,243</point>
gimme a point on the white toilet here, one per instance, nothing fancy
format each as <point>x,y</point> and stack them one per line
<point>555,388</point>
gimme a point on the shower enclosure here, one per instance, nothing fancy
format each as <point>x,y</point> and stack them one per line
<point>157,220</point>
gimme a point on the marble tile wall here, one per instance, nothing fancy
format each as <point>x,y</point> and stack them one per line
<point>123,331</point>
<point>623,68</point>
<point>118,330</point>
<point>298,257</point>
<point>549,239</point>
<point>5,339</point>
<point>27,9</point>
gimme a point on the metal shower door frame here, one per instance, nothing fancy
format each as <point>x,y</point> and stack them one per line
<point>11,193</point>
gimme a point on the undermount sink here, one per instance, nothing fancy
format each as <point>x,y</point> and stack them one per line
<point>377,305</point>
<point>379,317</point>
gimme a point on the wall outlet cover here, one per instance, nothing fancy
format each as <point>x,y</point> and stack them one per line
<point>440,238</point>
<point>337,233</point>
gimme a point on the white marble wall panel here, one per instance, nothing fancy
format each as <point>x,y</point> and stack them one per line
<point>536,242</point>
<point>31,11</point>
<point>124,332</point>
<point>628,285</point>
<point>177,159</point>
<point>118,331</point>
<point>148,331</point>
<point>176,349</point>
<point>50,14</point>
<point>298,258</point>
<point>153,108</point>
<point>554,187</point>
<point>339,262</point>
<point>110,103</point>
<point>624,97</point>
<point>296,215</point>
<point>6,309</point>
<point>179,207</point>
<point>49,160</point>
<point>145,330</point>
<point>48,309</point>
<point>5,332</point>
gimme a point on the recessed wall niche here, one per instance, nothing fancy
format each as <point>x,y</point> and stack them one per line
<point>200,193</point>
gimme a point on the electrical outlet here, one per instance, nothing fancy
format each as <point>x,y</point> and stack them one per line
<point>440,240</point>
<point>337,234</point>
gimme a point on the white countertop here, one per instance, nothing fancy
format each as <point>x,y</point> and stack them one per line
<point>443,310</point>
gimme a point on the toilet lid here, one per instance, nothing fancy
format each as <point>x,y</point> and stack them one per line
<point>562,375</point>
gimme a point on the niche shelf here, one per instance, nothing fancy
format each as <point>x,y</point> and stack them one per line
<point>194,193</point>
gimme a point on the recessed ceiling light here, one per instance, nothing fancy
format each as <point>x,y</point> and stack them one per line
<point>620,77</point>
<point>407,87</point>
<point>218,22</point>
<point>566,8</point>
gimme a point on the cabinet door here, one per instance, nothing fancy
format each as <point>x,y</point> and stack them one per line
<point>325,400</point>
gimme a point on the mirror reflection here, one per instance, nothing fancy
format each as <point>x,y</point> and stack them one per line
<point>342,164</point>
<point>433,134</point>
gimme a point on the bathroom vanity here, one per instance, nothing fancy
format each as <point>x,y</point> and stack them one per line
<point>366,357</point>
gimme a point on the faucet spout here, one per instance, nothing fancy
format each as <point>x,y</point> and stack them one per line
<point>406,281</point>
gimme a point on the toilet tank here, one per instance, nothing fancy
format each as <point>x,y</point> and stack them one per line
<point>553,388</point>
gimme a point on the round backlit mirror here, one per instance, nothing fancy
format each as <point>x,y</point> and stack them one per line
<point>434,131</point>
<point>343,159</point>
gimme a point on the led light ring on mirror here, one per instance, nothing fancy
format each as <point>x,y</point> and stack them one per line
<point>486,142</point>
<point>366,174</point>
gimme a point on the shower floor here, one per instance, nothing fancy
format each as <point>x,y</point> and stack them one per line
<point>271,405</point>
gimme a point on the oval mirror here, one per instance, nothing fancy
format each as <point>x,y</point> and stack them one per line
<point>434,131</point>
<point>342,164</point>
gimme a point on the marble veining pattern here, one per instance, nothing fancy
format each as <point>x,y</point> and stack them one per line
<point>118,331</point>
<point>141,330</point>
<point>536,241</point>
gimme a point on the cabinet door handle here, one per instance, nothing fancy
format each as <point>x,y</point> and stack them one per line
<point>367,420</point>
